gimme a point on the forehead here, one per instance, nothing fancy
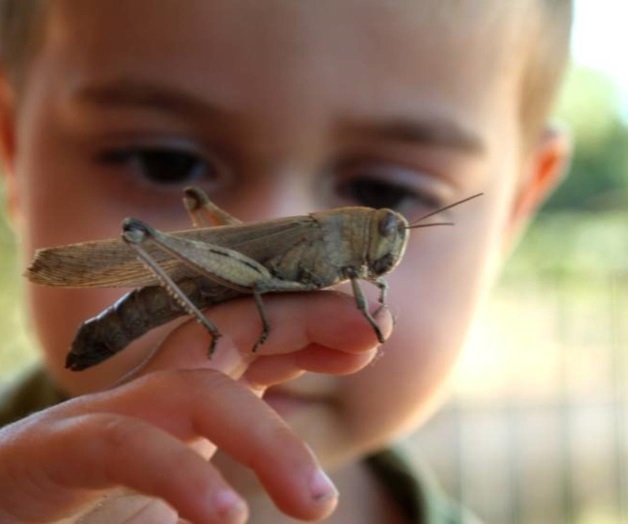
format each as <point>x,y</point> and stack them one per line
<point>286,34</point>
<point>272,56</point>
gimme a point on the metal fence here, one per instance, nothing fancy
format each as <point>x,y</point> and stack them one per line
<point>544,439</point>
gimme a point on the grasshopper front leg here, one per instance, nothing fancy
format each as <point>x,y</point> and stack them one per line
<point>362,304</point>
<point>383,293</point>
<point>224,266</point>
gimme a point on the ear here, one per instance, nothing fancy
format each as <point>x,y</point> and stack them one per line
<point>547,164</point>
<point>7,145</point>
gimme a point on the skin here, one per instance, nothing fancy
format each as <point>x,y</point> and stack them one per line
<point>289,107</point>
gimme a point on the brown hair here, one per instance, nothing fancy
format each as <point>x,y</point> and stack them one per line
<point>547,59</point>
<point>549,37</point>
<point>19,20</point>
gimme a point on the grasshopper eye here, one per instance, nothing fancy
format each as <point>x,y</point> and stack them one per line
<point>388,240</point>
<point>388,225</point>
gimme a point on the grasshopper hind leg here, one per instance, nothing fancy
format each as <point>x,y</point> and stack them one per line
<point>135,235</point>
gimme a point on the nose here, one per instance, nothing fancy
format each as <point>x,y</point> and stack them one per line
<point>273,195</point>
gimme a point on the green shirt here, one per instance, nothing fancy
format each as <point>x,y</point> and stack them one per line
<point>414,491</point>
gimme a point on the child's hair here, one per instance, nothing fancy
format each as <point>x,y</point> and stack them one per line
<point>549,37</point>
<point>549,42</point>
<point>19,21</point>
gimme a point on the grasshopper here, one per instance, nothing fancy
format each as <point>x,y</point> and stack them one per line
<point>187,271</point>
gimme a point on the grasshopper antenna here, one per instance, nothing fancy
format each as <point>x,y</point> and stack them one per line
<point>416,225</point>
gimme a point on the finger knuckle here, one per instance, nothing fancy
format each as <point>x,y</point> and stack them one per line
<point>278,444</point>
<point>122,433</point>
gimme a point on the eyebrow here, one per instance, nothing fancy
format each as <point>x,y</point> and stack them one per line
<point>438,132</point>
<point>137,94</point>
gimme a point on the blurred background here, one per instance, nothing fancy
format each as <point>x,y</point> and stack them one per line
<point>536,429</point>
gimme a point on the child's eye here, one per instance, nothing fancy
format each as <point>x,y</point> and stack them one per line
<point>376,193</point>
<point>395,188</point>
<point>160,165</point>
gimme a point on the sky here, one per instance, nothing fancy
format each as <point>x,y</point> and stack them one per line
<point>600,39</point>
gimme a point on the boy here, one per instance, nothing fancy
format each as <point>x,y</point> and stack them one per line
<point>276,108</point>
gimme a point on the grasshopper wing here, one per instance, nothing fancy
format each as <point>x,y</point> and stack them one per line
<point>111,263</point>
<point>102,263</point>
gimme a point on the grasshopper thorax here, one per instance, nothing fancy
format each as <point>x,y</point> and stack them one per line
<point>387,241</point>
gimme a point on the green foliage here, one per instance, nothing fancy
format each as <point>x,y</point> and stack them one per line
<point>16,348</point>
<point>572,245</point>
<point>590,106</point>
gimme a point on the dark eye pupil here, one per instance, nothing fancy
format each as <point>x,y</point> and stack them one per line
<point>169,167</point>
<point>375,193</point>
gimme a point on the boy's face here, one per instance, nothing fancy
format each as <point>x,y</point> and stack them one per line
<point>282,108</point>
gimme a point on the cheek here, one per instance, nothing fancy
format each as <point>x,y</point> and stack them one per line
<point>62,201</point>
<point>434,295</point>
<point>66,196</point>
<point>399,388</point>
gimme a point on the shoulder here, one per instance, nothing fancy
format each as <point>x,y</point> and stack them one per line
<point>415,490</point>
<point>30,391</point>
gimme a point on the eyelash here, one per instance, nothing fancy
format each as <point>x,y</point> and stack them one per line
<point>163,166</point>
<point>365,183</point>
<point>371,192</point>
<point>377,184</point>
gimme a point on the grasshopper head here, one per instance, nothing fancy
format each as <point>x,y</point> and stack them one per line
<point>387,243</point>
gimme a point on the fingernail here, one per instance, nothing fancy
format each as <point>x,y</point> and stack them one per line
<point>229,506</point>
<point>321,487</point>
<point>229,361</point>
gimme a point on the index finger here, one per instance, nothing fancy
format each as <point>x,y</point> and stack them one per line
<point>323,319</point>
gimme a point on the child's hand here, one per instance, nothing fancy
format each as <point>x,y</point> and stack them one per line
<point>138,435</point>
